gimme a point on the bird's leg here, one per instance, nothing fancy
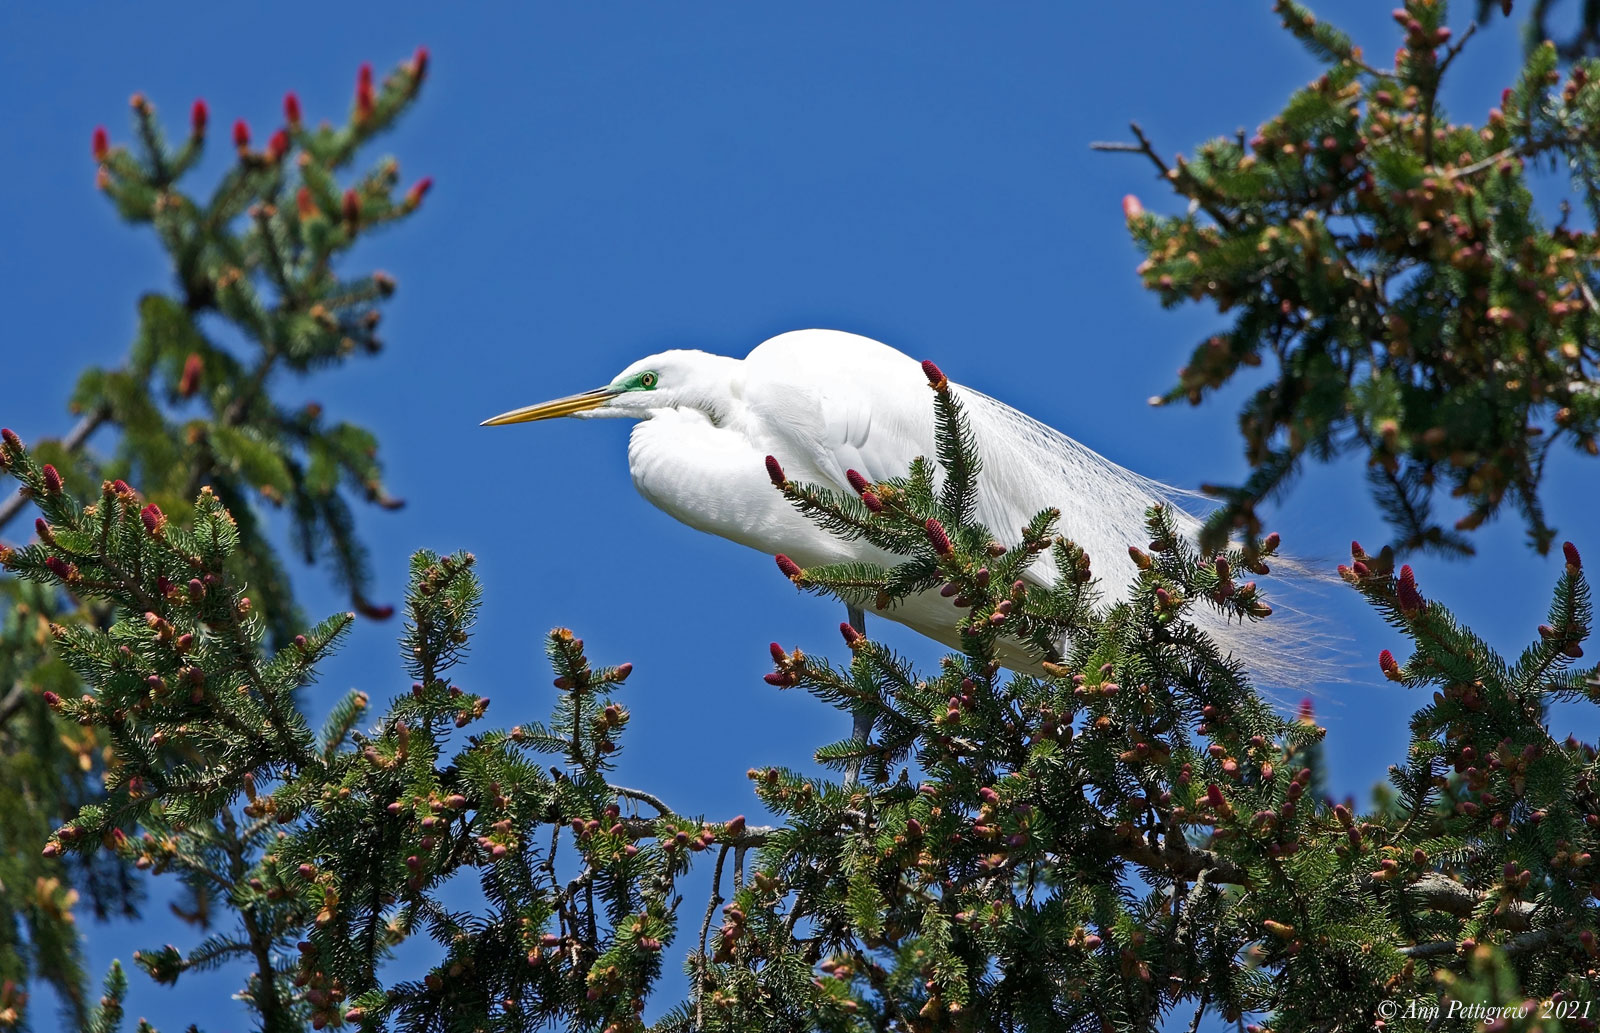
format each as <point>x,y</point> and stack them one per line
<point>861,731</point>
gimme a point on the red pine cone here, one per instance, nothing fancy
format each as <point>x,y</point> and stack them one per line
<point>775,472</point>
<point>936,378</point>
<point>304,204</point>
<point>190,380</point>
<point>852,637</point>
<point>419,64</point>
<point>1131,208</point>
<point>241,134</point>
<point>872,502</point>
<point>790,568</point>
<point>199,115</point>
<point>352,207</point>
<point>1389,665</point>
<point>1570,552</point>
<point>418,191</point>
<point>278,145</point>
<point>858,482</point>
<point>364,100</point>
<point>1406,589</point>
<point>291,108</point>
<point>52,480</point>
<point>101,144</point>
<point>937,537</point>
<point>153,519</point>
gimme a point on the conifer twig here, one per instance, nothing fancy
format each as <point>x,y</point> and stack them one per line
<point>76,438</point>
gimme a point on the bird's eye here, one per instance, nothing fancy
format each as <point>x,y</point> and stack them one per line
<point>648,379</point>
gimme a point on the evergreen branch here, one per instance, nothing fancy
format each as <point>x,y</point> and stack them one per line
<point>76,438</point>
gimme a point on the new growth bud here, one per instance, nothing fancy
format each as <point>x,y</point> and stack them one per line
<point>241,134</point>
<point>775,472</point>
<point>199,115</point>
<point>291,108</point>
<point>1389,665</point>
<point>1570,553</point>
<point>852,637</point>
<point>101,144</point>
<point>936,378</point>
<point>790,568</point>
<point>937,537</point>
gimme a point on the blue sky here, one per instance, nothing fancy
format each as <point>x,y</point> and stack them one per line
<point>613,180</point>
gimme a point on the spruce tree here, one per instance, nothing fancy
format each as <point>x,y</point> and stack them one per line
<point>260,256</point>
<point>1389,265</point>
<point>1130,838</point>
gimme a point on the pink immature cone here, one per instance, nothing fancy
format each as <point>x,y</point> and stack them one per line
<point>418,191</point>
<point>936,378</point>
<point>1570,553</point>
<point>1406,590</point>
<point>790,568</point>
<point>1389,665</point>
<point>1131,208</point>
<point>937,537</point>
<point>775,472</point>
<point>199,115</point>
<point>858,482</point>
<point>364,101</point>
<point>852,637</point>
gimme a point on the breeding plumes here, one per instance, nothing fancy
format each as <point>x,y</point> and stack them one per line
<point>825,403</point>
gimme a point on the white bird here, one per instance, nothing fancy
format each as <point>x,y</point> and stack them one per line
<point>824,402</point>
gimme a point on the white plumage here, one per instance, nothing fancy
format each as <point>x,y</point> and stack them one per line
<point>824,402</point>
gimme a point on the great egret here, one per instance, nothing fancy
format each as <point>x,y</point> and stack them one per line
<point>824,403</point>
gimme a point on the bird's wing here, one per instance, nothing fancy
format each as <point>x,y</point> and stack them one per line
<point>827,402</point>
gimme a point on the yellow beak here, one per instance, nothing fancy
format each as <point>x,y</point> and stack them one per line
<point>550,410</point>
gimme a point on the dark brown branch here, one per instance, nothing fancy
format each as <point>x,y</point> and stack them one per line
<point>13,702</point>
<point>1146,148</point>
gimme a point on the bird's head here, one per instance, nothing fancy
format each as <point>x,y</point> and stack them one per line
<point>676,379</point>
